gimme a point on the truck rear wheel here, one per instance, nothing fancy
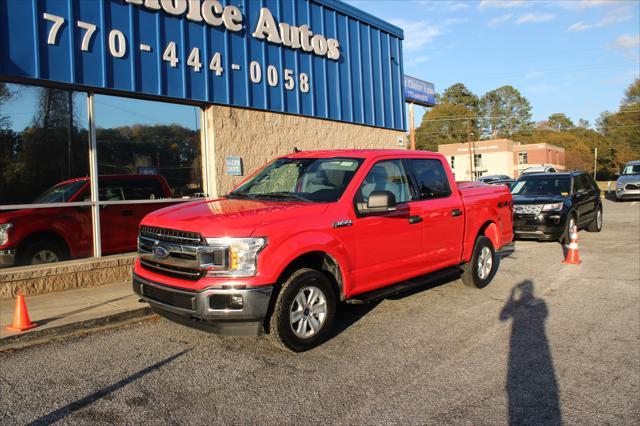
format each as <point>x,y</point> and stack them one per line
<point>479,272</point>
<point>304,311</point>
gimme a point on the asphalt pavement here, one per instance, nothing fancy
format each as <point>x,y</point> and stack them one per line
<point>544,343</point>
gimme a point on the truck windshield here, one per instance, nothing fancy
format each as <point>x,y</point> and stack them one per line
<point>542,185</point>
<point>632,169</point>
<point>60,193</point>
<point>301,179</point>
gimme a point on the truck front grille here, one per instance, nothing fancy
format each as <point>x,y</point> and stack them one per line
<point>171,270</point>
<point>171,235</point>
<point>632,186</point>
<point>179,300</point>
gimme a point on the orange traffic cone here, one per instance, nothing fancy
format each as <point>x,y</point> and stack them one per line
<point>573,255</point>
<point>21,321</point>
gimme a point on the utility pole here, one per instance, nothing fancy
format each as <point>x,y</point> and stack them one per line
<point>471,172</point>
<point>412,128</point>
<point>595,163</point>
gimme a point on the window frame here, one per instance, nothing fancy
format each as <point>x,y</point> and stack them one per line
<point>354,201</point>
<point>414,183</point>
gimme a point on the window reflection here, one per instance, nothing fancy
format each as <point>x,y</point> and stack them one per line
<point>43,159</point>
<point>146,151</point>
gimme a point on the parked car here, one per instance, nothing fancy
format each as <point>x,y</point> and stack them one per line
<point>628,183</point>
<point>492,178</point>
<point>44,235</point>
<point>313,229</point>
<point>538,169</point>
<point>547,205</point>
<point>507,182</point>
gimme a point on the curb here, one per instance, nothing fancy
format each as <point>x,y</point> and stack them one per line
<point>35,337</point>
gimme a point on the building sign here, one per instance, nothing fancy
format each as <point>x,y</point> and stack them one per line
<point>234,166</point>
<point>321,58</point>
<point>419,92</point>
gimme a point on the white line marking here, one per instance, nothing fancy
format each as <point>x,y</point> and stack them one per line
<point>633,204</point>
<point>145,47</point>
<point>235,66</point>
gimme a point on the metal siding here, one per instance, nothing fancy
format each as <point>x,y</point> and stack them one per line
<point>364,86</point>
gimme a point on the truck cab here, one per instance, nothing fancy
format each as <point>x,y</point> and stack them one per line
<point>310,230</point>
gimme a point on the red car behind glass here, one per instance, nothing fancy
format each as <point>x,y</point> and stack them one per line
<point>43,235</point>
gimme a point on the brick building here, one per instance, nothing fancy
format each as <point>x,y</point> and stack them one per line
<point>499,157</point>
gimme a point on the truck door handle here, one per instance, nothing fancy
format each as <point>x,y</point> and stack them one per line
<point>415,219</point>
<point>456,212</point>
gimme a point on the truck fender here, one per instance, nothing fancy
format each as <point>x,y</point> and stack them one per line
<point>309,242</point>
<point>490,230</point>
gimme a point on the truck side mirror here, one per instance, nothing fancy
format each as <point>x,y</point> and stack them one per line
<point>381,201</point>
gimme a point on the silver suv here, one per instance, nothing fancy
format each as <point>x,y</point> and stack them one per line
<point>628,184</point>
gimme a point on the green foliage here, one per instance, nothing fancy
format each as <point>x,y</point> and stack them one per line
<point>632,94</point>
<point>505,111</point>
<point>560,121</point>
<point>445,123</point>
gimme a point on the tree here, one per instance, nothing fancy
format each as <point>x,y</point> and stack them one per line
<point>504,112</point>
<point>583,124</point>
<point>5,95</point>
<point>458,94</point>
<point>632,94</point>
<point>445,123</point>
<point>560,121</point>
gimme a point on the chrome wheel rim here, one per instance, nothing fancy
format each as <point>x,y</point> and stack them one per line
<point>44,256</point>
<point>308,312</point>
<point>485,263</point>
<point>599,219</point>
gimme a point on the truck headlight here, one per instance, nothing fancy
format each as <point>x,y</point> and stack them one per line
<point>555,207</point>
<point>235,257</point>
<point>4,232</point>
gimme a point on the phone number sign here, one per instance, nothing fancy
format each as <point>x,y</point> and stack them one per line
<point>303,57</point>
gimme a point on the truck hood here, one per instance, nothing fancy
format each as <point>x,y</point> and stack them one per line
<point>538,199</point>
<point>229,217</point>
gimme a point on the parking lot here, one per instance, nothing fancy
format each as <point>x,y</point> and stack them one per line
<point>543,343</point>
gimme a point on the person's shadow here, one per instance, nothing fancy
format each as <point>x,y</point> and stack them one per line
<point>531,381</point>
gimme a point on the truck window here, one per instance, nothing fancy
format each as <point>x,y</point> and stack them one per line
<point>387,175</point>
<point>578,184</point>
<point>430,179</point>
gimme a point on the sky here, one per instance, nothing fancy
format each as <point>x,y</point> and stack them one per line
<point>575,57</point>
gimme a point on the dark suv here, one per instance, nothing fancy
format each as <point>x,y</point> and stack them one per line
<point>547,205</point>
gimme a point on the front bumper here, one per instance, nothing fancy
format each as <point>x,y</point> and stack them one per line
<point>7,258</point>
<point>544,227</point>
<point>209,309</point>
<point>623,193</point>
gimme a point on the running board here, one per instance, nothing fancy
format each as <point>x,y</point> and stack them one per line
<point>405,286</point>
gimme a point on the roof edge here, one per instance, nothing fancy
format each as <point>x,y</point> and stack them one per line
<point>360,14</point>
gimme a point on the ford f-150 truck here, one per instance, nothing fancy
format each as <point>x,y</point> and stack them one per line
<point>313,229</point>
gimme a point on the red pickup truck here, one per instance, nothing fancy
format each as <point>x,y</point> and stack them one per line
<point>313,229</point>
<point>32,236</point>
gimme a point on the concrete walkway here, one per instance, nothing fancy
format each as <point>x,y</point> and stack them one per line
<point>71,312</point>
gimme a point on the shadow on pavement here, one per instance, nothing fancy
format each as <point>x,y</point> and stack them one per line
<point>348,314</point>
<point>63,412</point>
<point>531,381</point>
<point>77,311</point>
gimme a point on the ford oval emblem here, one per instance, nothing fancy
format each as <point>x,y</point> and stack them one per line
<point>160,252</point>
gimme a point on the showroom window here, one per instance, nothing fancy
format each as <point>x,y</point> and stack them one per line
<point>44,171</point>
<point>148,156</point>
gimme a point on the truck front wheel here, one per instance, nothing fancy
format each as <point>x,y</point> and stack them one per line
<point>304,311</point>
<point>479,272</point>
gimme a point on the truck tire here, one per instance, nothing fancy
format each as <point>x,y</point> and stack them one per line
<point>40,252</point>
<point>596,224</point>
<point>304,311</point>
<point>479,272</point>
